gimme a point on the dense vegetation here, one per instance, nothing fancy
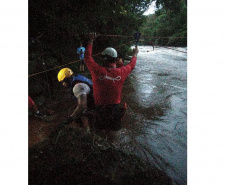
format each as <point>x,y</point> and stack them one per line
<point>57,27</point>
<point>169,20</point>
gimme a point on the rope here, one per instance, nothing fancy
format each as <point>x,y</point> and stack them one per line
<point>133,36</point>
<point>77,35</point>
<point>169,37</point>
<point>114,35</point>
<point>34,74</point>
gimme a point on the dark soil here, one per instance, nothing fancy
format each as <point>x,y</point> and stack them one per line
<point>74,156</point>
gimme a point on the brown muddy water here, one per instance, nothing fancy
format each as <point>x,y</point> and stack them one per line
<point>155,124</point>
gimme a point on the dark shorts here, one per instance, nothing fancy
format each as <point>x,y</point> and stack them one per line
<point>107,117</point>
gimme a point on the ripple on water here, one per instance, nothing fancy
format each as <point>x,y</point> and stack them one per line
<point>158,100</point>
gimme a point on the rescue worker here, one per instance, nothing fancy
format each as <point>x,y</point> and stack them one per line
<point>119,62</point>
<point>82,90</point>
<point>34,109</point>
<point>107,87</point>
<point>80,52</point>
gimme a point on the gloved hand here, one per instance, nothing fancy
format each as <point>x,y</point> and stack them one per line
<point>67,121</point>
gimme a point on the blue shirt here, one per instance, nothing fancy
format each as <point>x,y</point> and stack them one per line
<point>81,56</point>
<point>82,79</point>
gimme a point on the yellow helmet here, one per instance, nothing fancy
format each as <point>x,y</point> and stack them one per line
<point>64,73</point>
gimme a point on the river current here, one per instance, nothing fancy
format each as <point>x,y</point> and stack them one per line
<point>156,94</point>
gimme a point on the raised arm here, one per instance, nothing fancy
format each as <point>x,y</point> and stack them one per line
<point>129,67</point>
<point>91,64</point>
<point>78,51</point>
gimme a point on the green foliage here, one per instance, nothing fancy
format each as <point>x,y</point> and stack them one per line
<point>57,27</point>
<point>168,21</point>
<point>175,40</point>
<point>126,50</point>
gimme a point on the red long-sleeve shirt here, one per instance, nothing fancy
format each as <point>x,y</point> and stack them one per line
<point>107,83</point>
<point>31,103</point>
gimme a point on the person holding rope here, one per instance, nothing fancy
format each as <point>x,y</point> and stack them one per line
<point>107,87</point>
<point>82,91</point>
<point>80,52</point>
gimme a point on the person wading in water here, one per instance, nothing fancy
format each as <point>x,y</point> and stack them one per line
<point>82,91</point>
<point>107,88</point>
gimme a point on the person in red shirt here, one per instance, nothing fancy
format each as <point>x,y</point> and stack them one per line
<point>107,87</point>
<point>119,62</point>
<point>34,109</point>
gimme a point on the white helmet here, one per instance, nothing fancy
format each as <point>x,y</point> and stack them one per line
<point>110,52</point>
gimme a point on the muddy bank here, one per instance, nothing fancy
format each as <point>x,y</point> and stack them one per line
<point>73,156</point>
